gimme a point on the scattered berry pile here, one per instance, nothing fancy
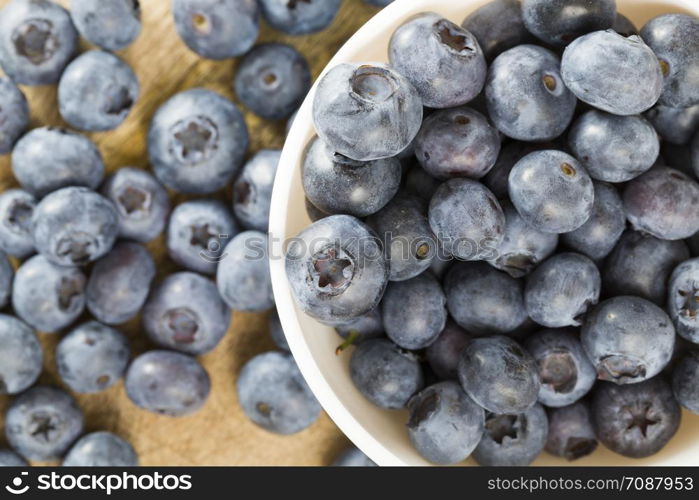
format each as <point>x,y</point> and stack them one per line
<point>506,223</point>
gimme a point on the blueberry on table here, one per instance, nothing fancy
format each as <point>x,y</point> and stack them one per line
<point>37,41</point>
<point>197,232</point>
<point>385,374</point>
<point>197,141</point>
<point>684,382</point>
<point>674,125</point>
<point>525,94</point>
<point>513,440</point>
<point>683,301</point>
<point>336,269</point>
<point>92,357</point>
<point>97,91</point>
<point>442,60</point>
<point>663,202</point>
<point>299,17</point>
<point>185,313</point>
<point>167,383</point>
<point>443,354</point>
<point>571,434</point>
<point>635,420</point>
<point>552,191</point>
<point>499,375</point>
<point>277,332</point>
<point>142,203</point>
<point>559,22</point>
<point>366,112</point>
<point>16,209</point>
<point>445,424</point>
<point>47,296</point>
<point>9,458</point>
<point>217,29</point>
<point>21,356</point>
<point>274,394</point>
<point>101,449</point>
<point>365,327</point>
<point>352,457</point>
<point>457,142</point>
<point>252,190</point>
<point>14,115</point>
<point>613,73</point>
<point>74,161</point>
<point>565,372</point>
<point>6,276</point>
<point>243,277</point>
<point>42,423</point>
<point>614,148</point>
<point>337,184</point>
<point>109,24</point>
<point>272,80</point>
<point>628,339</point>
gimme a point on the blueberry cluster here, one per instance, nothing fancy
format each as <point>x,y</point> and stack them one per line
<point>506,223</point>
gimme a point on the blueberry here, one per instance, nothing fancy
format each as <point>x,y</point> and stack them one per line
<point>523,247</point>
<point>21,356</point>
<point>217,29</point>
<point>378,3</point>
<point>6,276</point>
<point>457,142</point>
<point>14,115</point>
<point>571,435</point>
<point>525,94</point>
<point>142,203</point>
<point>684,382</point>
<point>565,372</point>
<point>598,236</point>
<point>614,148</point>
<point>74,161</point>
<point>97,91</point>
<point>365,327</point>
<point>337,184</point>
<point>445,424</point>
<point>624,26</point>
<point>16,209</point>
<point>467,219</point>
<point>483,300</point>
<point>385,374</point>
<point>497,178</point>
<point>9,458</point>
<point>109,24</point>
<point>420,184</point>
<point>674,125</point>
<point>561,290</point>
<point>37,40</point>
<point>185,313</point>
<point>441,59</point>
<point>551,191</point>
<point>336,269</point>
<point>274,395</point>
<point>613,73</point>
<point>197,232</point>
<point>74,226</point>
<point>628,339</point>
<point>663,202</point>
<point>498,26</point>
<point>197,141</point>
<point>167,383</point>
<point>277,332</point>
<point>314,213</point>
<point>414,311</point>
<point>299,17</point>
<point>352,457</point>
<point>243,276</point>
<point>272,80</point>
<point>641,265</point>
<point>366,112</point>
<point>47,296</point>
<point>443,354</point>
<point>513,440</point>
<point>682,302</point>
<point>559,22</point>
<point>252,191</point>
<point>635,420</point>
<point>42,423</point>
<point>675,40</point>
<point>694,154</point>
<point>407,238</point>
<point>101,449</point>
<point>499,375</point>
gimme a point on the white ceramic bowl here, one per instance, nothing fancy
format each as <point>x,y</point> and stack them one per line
<point>379,433</point>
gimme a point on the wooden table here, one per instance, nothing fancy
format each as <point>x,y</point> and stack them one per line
<point>219,434</point>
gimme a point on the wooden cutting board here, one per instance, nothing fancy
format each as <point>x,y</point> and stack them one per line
<point>219,434</point>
